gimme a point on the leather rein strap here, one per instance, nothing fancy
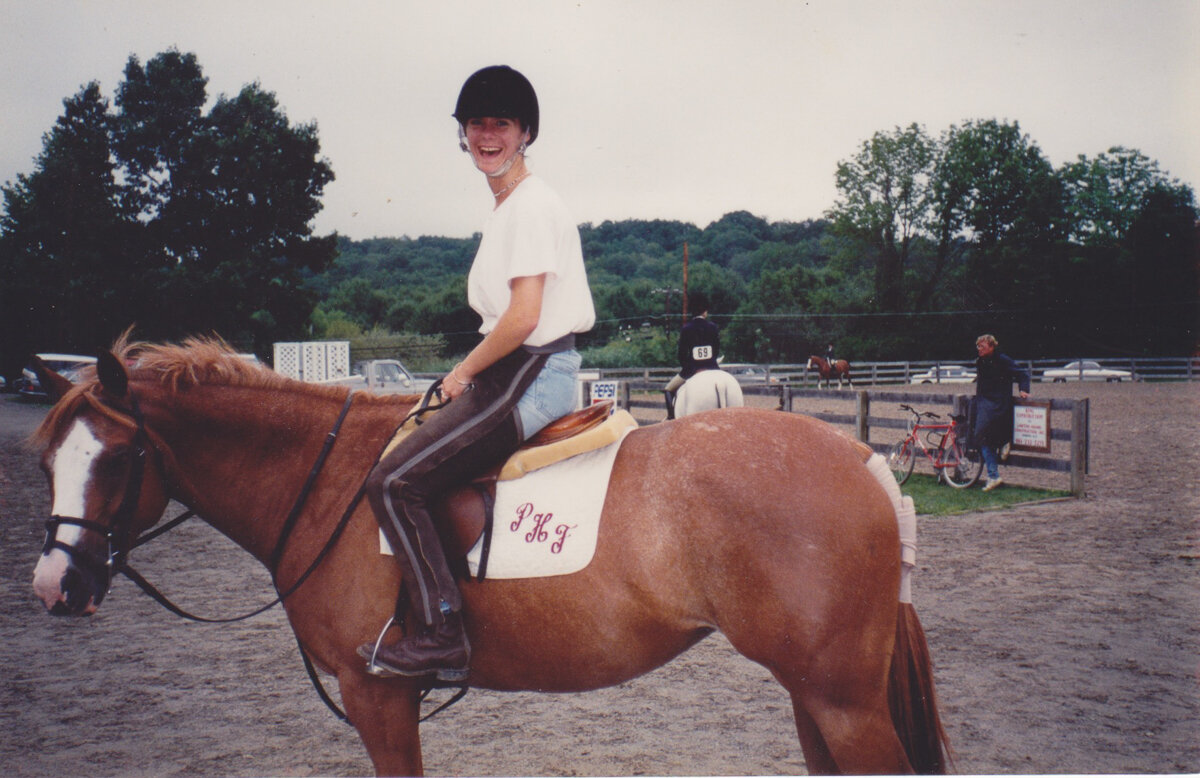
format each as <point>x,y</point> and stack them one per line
<point>277,554</point>
<point>120,565</point>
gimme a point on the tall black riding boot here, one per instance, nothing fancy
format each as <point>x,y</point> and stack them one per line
<point>442,650</point>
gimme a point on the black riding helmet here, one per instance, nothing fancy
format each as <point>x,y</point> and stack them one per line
<point>499,91</point>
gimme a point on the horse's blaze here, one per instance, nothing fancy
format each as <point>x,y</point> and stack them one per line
<point>71,467</point>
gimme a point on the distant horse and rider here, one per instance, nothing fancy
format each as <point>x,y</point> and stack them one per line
<point>722,521</point>
<point>828,370</point>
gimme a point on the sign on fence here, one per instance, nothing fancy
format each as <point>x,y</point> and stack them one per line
<point>1031,426</point>
<point>604,390</point>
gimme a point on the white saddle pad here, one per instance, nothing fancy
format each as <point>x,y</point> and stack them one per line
<point>546,522</point>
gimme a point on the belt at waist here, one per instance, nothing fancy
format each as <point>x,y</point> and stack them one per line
<point>564,343</point>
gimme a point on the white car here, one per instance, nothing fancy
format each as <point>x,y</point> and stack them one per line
<point>945,374</point>
<point>748,373</point>
<point>1085,371</point>
<point>66,365</point>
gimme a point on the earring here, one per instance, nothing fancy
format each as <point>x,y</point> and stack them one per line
<point>521,148</point>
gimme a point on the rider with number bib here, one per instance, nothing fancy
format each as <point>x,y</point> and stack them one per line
<point>699,344</point>
<point>529,287</point>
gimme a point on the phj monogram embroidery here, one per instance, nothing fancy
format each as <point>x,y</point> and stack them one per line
<point>538,532</point>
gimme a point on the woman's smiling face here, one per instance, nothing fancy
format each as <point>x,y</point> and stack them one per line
<point>492,141</point>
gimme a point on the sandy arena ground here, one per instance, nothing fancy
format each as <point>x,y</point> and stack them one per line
<point>1065,638</point>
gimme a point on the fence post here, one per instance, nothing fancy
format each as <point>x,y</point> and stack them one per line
<point>863,412</point>
<point>785,398</point>
<point>1079,446</point>
<point>625,395</point>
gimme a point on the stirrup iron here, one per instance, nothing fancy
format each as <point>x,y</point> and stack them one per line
<point>373,668</point>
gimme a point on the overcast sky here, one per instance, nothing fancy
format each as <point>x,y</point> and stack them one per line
<point>650,109</point>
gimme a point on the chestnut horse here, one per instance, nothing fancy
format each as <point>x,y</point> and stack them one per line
<point>839,369</point>
<point>801,577</point>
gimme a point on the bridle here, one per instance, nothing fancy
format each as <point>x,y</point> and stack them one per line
<point>117,534</point>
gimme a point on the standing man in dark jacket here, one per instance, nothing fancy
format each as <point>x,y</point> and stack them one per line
<point>699,346</point>
<point>995,373</point>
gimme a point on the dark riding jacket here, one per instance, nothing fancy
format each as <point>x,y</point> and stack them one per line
<point>994,376</point>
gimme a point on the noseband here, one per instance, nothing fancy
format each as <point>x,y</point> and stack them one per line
<point>116,534</point>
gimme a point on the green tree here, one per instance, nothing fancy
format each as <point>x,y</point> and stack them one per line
<point>1163,279</point>
<point>883,200</point>
<point>1105,194</point>
<point>64,239</point>
<point>160,215</point>
<point>995,189</point>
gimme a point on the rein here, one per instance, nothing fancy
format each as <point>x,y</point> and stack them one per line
<point>116,535</point>
<point>123,567</point>
<point>119,547</point>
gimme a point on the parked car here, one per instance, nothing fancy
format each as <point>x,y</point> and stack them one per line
<point>1085,371</point>
<point>945,374</point>
<point>66,365</point>
<point>749,374</point>
<point>383,376</point>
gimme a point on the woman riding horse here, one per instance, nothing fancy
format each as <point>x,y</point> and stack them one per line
<point>529,286</point>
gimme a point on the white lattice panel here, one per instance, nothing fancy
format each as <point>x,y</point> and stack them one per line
<point>337,359</point>
<point>314,360</point>
<point>287,359</point>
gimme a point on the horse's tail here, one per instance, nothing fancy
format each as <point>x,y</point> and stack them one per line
<point>911,695</point>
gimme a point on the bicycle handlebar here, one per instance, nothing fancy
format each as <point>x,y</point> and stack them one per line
<point>919,414</point>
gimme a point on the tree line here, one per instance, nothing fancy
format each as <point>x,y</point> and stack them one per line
<point>155,211</point>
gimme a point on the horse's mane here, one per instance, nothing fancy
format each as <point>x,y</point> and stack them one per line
<point>197,361</point>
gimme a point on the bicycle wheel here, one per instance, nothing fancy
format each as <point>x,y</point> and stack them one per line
<point>962,468</point>
<point>901,460</point>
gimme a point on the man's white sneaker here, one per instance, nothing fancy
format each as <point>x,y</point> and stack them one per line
<point>992,483</point>
<point>1004,452</point>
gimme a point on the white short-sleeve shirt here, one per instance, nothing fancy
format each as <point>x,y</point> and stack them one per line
<point>531,233</point>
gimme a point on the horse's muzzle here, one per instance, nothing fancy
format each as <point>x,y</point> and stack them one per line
<point>66,589</point>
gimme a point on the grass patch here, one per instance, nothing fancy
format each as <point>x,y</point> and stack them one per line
<point>934,498</point>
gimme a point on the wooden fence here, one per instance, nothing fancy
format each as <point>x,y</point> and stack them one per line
<point>886,373</point>
<point>644,393</point>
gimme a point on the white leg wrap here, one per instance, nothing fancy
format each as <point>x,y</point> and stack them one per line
<point>906,518</point>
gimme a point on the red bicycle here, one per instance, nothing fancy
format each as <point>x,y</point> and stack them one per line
<point>942,443</point>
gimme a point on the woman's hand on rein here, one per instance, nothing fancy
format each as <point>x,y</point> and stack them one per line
<point>454,383</point>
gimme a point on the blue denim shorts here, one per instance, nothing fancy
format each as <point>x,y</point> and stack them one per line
<point>551,395</point>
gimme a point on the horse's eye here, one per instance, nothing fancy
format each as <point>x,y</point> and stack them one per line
<point>114,460</point>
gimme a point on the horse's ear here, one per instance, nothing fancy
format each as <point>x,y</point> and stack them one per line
<point>113,376</point>
<point>54,384</point>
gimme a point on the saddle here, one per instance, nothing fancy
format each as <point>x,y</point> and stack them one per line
<point>463,515</point>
